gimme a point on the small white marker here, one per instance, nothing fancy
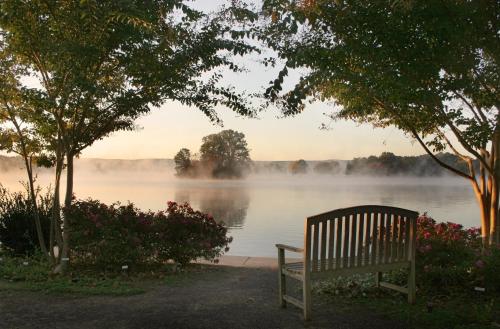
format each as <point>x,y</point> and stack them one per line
<point>124,267</point>
<point>25,263</point>
<point>480,289</point>
<point>66,259</point>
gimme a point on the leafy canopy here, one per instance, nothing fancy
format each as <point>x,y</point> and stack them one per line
<point>426,67</point>
<point>98,65</point>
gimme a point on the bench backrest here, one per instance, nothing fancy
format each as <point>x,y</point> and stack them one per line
<point>359,236</point>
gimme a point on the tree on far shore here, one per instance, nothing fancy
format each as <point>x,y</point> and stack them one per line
<point>183,162</point>
<point>298,167</point>
<point>327,167</point>
<point>222,155</point>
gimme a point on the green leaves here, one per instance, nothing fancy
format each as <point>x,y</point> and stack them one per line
<point>100,65</point>
<point>425,67</point>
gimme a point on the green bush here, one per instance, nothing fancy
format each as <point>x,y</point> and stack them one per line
<point>117,235</point>
<point>488,269</point>
<point>184,235</point>
<point>107,236</point>
<point>446,256</point>
<point>18,233</point>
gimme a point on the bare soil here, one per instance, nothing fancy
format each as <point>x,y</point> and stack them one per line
<point>220,297</point>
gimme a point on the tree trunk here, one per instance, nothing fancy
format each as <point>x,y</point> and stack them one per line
<point>495,185</point>
<point>31,184</point>
<point>56,235</point>
<point>67,203</point>
<point>28,164</point>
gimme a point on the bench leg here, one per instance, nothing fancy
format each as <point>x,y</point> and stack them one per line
<point>281,277</point>
<point>307,298</point>
<point>378,278</point>
<point>411,284</point>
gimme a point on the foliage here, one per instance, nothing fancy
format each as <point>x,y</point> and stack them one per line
<point>488,269</point>
<point>327,167</point>
<point>117,235</point>
<point>18,234</point>
<point>109,236</point>
<point>389,164</point>
<point>184,235</point>
<point>182,162</point>
<point>429,68</point>
<point>298,167</point>
<point>447,256</point>
<point>222,155</point>
<point>225,154</point>
<point>96,66</point>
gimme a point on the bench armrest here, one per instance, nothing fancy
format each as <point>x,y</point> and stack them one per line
<point>289,248</point>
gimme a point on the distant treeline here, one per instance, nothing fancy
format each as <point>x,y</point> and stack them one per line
<point>389,164</point>
<point>8,163</point>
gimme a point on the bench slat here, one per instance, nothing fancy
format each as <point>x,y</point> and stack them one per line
<point>338,246</point>
<point>345,248</point>
<point>381,234</point>
<point>331,235</point>
<point>315,247</point>
<point>387,244</point>
<point>360,238</point>
<point>367,238</point>
<point>407,239</point>
<point>354,233</point>
<point>400,238</point>
<point>374,239</point>
<point>323,245</point>
<point>394,238</point>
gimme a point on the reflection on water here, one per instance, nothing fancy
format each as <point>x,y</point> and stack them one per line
<point>227,205</point>
<point>264,210</point>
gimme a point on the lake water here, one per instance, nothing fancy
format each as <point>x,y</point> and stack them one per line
<point>264,209</point>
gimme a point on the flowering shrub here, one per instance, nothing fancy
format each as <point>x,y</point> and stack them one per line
<point>487,269</point>
<point>446,255</point>
<point>116,235</point>
<point>184,234</point>
<point>108,235</point>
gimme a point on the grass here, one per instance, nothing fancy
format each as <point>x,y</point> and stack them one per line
<point>34,274</point>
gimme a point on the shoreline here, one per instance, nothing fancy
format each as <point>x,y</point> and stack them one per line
<point>247,261</point>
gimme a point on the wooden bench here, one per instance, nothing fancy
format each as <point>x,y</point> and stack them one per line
<point>352,240</point>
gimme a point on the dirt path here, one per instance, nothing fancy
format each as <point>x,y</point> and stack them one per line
<point>219,298</point>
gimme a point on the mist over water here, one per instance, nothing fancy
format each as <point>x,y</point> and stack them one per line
<point>262,209</point>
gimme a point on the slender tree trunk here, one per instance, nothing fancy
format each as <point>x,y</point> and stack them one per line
<point>495,185</point>
<point>36,213</point>
<point>28,164</point>
<point>56,207</point>
<point>485,215</point>
<point>67,203</point>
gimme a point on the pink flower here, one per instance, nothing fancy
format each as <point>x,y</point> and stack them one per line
<point>427,235</point>
<point>479,263</point>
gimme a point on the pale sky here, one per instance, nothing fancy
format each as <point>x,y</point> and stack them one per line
<point>167,129</point>
<point>173,126</point>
